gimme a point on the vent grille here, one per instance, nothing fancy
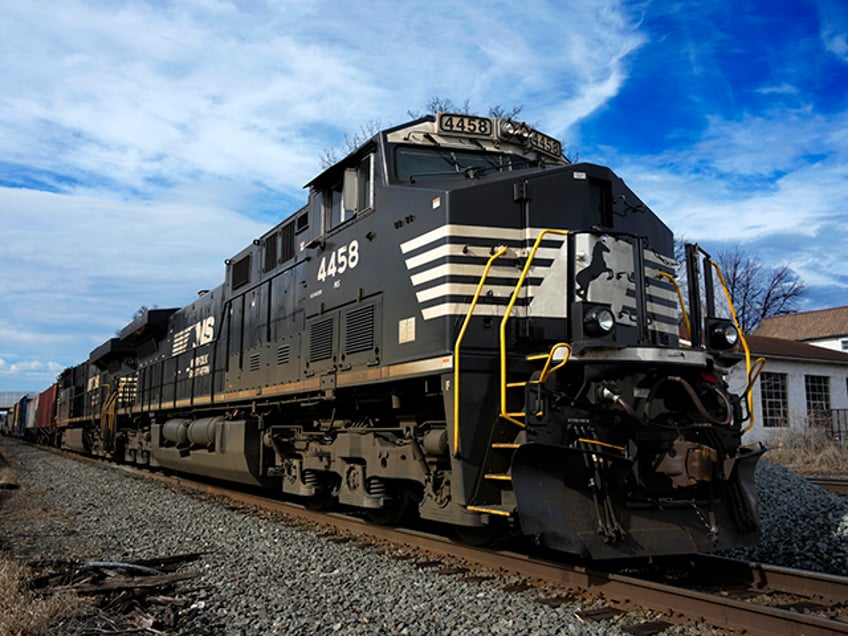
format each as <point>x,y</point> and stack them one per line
<point>270,253</point>
<point>283,354</point>
<point>287,237</point>
<point>359,330</point>
<point>255,361</point>
<point>241,272</point>
<point>321,340</point>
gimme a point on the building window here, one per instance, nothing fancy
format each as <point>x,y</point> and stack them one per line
<point>774,397</point>
<point>844,343</point>
<point>818,399</point>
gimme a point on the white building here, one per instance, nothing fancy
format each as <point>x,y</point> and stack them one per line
<point>826,328</point>
<point>801,386</point>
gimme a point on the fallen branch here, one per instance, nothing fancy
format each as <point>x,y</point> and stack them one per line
<point>124,583</point>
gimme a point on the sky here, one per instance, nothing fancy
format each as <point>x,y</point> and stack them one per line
<point>142,143</point>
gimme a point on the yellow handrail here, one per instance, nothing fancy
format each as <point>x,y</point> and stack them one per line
<point>596,442</point>
<point>680,300</point>
<point>108,409</point>
<point>756,370</point>
<point>750,396</point>
<point>543,376</point>
<point>501,251</point>
<point>507,313</point>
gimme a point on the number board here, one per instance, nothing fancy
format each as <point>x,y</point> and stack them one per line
<point>467,125</point>
<point>546,144</point>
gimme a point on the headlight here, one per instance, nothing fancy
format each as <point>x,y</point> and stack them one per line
<point>508,128</point>
<point>723,335</point>
<point>598,321</point>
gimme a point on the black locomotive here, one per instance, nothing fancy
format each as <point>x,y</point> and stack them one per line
<point>460,323</point>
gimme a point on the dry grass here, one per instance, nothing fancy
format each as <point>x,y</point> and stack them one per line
<point>809,452</point>
<point>23,613</point>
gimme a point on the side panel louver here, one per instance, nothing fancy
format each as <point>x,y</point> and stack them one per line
<point>359,330</point>
<point>321,340</point>
<point>283,354</point>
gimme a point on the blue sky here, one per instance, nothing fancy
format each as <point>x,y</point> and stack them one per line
<point>142,143</point>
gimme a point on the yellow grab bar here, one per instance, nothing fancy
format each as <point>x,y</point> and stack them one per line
<point>756,369</point>
<point>596,442</point>
<point>508,416</point>
<point>750,396</point>
<point>680,300</point>
<point>501,251</point>
<point>559,365</point>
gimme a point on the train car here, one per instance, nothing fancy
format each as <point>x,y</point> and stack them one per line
<point>70,409</point>
<point>29,433</point>
<point>45,416</point>
<point>462,324</point>
<point>20,412</point>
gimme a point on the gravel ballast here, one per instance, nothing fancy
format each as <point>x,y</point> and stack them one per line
<point>260,576</point>
<point>803,526</point>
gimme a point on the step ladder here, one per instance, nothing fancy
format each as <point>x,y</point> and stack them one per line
<point>495,494</point>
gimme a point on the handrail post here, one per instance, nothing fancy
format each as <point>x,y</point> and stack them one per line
<point>513,298</point>
<point>500,252</point>
<point>750,396</point>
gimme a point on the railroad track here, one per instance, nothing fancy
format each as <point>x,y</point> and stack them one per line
<point>720,592</point>
<point>836,485</point>
<point>723,593</point>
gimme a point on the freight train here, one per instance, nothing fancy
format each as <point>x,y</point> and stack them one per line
<point>461,324</point>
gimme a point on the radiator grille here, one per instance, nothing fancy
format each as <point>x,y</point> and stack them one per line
<point>255,361</point>
<point>359,330</point>
<point>321,340</point>
<point>283,354</point>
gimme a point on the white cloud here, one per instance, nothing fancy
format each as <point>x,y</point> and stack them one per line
<point>142,141</point>
<point>774,182</point>
<point>134,93</point>
<point>781,89</point>
<point>76,267</point>
<point>834,27</point>
<point>28,366</point>
<point>29,372</point>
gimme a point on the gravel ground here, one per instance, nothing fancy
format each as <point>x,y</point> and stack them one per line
<point>803,526</point>
<point>263,577</point>
<point>260,576</point>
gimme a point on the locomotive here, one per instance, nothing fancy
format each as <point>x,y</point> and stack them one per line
<point>462,324</point>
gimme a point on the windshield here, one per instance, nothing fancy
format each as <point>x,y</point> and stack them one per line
<point>421,164</point>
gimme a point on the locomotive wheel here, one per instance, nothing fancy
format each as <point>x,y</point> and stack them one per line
<point>321,502</point>
<point>481,536</point>
<point>396,511</point>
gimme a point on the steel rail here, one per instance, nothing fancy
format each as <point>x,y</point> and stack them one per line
<point>832,484</point>
<point>677,603</point>
<point>776,578</point>
<point>715,609</point>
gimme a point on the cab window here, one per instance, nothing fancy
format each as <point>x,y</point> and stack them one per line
<point>351,196</point>
<point>414,164</point>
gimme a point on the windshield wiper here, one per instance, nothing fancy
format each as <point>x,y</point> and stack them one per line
<point>469,172</point>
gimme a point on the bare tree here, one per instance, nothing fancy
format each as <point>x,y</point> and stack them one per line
<point>438,104</point>
<point>329,156</point>
<point>435,104</point>
<point>758,292</point>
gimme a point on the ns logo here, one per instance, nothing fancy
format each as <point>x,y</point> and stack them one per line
<point>200,333</point>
